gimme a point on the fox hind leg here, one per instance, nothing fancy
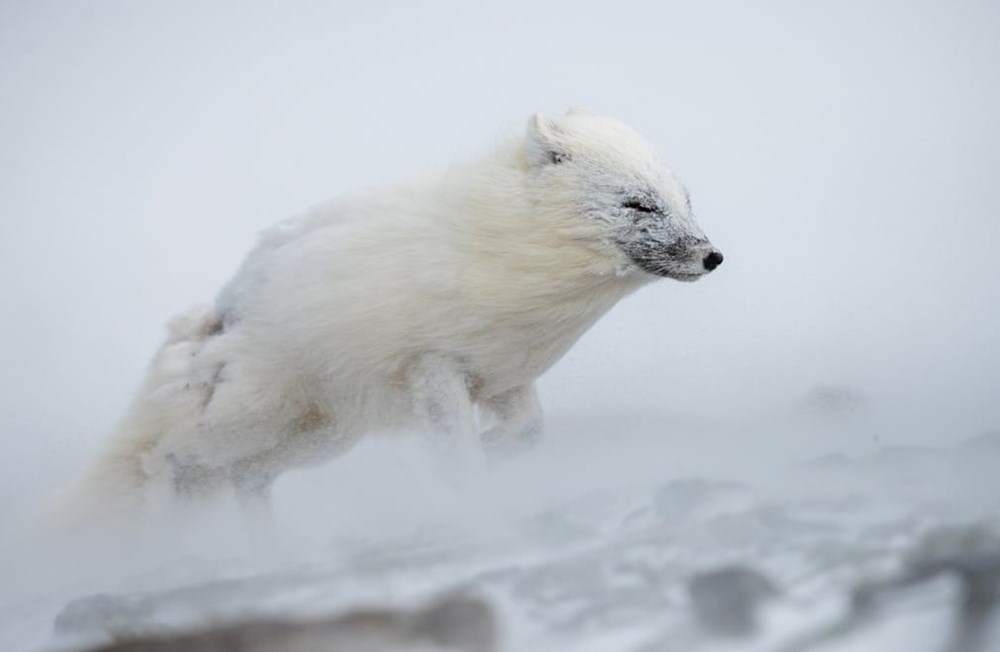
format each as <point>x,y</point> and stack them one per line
<point>193,482</point>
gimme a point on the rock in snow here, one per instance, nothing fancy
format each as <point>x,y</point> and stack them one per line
<point>451,624</point>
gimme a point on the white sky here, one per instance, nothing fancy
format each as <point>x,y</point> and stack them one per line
<point>842,154</point>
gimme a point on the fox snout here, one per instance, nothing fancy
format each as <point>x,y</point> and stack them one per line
<point>712,260</point>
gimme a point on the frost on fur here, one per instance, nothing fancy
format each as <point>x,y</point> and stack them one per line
<point>430,305</point>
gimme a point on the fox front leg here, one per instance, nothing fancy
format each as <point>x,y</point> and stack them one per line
<point>517,417</point>
<point>440,393</point>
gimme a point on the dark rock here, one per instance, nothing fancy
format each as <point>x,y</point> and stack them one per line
<point>972,554</point>
<point>454,623</point>
<point>727,600</point>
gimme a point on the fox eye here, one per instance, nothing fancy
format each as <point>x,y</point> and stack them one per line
<point>639,206</point>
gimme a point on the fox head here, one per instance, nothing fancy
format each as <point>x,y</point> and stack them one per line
<point>607,174</point>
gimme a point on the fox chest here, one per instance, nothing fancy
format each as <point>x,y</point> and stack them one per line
<point>506,353</point>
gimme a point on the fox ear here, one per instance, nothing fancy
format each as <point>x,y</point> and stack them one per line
<point>579,110</point>
<point>544,141</point>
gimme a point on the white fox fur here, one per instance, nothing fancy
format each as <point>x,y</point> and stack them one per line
<point>432,304</point>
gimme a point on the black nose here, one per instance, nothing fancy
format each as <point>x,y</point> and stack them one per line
<point>712,260</point>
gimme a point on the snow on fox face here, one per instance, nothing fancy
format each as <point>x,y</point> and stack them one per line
<point>613,177</point>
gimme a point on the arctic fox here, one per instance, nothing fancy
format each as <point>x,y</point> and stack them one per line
<point>428,305</point>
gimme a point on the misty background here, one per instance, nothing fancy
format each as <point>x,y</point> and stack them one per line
<point>843,156</point>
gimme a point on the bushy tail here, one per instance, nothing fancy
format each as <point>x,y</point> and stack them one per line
<point>169,398</point>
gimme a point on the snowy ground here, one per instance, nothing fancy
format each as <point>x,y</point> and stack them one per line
<point>617,544</point>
